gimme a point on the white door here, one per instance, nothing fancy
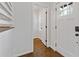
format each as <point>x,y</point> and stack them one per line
<point>43,25</point>
<point>67,20</point>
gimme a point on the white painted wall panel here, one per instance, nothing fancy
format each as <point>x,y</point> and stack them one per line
<point>22,34</point>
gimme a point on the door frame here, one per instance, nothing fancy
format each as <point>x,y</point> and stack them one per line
<point>47,22</point>
<point>44,39</point>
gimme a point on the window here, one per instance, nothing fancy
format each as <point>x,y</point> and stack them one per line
<point>65,9</point>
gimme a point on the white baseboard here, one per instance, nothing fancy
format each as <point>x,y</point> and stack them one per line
<point>53,48</point>
<point>20,54</point>
<point>66,53</point>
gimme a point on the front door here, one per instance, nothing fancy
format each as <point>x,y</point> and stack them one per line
<point>68,28</point>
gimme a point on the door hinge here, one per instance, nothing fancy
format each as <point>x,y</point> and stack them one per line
<point>46,26</point>
<point>55,44</point>
<point>46,12</point>
<point>45,40</point>
<point>55,27</point>
<point>56,9</point>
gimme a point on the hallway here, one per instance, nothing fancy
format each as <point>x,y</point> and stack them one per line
<point>40,50</point>
<point>39,29</point>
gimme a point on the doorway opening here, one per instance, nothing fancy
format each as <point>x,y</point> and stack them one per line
<point>40,23</point>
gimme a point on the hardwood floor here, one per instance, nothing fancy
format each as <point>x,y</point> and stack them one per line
<point>40,50</point>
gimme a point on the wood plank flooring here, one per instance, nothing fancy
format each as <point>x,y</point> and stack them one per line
<point>40,50</point>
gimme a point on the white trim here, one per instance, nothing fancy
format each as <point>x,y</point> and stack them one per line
<point>4,13</point>
<point>66,53</point>
<point>48,28</point>
<point>6,8</point>
<point>20,54</point>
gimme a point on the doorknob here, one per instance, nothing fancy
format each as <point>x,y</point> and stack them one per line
<point>76,34</point>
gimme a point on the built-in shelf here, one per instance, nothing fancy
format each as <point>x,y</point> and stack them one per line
<point>9,5</point>
<point>4,6</point>
<point>2,12</point>
<point>5,12</point>
<point>4,27</point>
<point>3,17</point>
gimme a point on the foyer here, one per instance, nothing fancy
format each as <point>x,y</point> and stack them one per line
<point>39,29</point>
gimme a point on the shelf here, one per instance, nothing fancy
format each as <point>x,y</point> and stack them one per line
<point>3,17</point>
<point>4,27</point>
<point>6,8</point>
<point>9,5</point>
<point>2,12</point>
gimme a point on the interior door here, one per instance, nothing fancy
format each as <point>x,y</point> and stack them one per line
<point>67,21</point>
<point>43,25</point>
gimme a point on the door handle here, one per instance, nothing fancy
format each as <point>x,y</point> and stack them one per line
<point>76,34</point>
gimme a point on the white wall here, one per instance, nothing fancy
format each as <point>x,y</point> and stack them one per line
<point>6,43</point>
<point>35,21</point>
<point>52,27</point>
<point>22,34</point>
